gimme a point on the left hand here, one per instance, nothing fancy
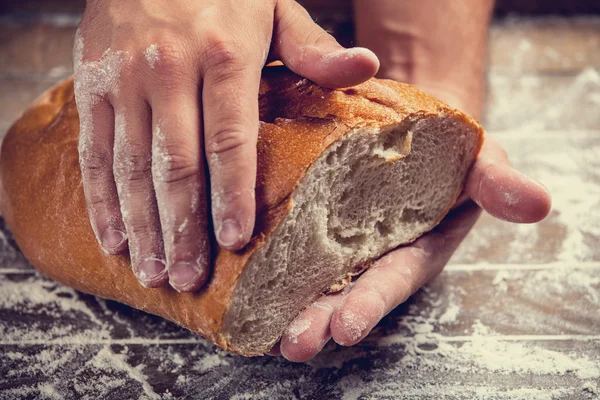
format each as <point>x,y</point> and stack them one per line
<point>348,317</point>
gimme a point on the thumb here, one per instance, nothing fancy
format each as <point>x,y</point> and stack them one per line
<point>504,192</point>
<point>305,48</point>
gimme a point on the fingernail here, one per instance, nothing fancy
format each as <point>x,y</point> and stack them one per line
<point>183,276</point>
<point>230,233</point>
<point>112,239</point>
<point>150,271</point>
<point>354,326</point>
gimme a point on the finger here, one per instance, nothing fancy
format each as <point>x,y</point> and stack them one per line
<point>462,199</point>
<point>178,175</point>
<point>503,191</point>
<point>309,332</point>
<point>309,51</point>
<point>96,139</point>
<point>398,275</point>
<point>132,169</point>
<point>230,104</point>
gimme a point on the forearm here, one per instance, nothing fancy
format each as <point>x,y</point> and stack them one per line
<point>439,46</point>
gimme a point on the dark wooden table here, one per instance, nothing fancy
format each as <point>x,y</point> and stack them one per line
<point>515,316</point>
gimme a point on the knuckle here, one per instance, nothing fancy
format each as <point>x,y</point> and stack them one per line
<point>290,13</point>
<point>173,69</point>
<point>405,285</point>
<point>295,19</point>
<point>222,54</point>
<point>187,239</point>
<point>172,63</point>
<point>173,163</point>
<point>485,170</point>
<point>94,163</point>
<point>172,55</point>
<point>98,196</point>
<point>318,37</point>
<point>226,139</point>
<point>140,228</point>
<point>141,235</point>
<point>86,33</point>
<point>131,164</point>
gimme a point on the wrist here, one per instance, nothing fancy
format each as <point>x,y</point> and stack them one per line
<point>438,47</point>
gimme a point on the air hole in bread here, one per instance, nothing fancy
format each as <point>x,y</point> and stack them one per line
<point>350,240</point>
<point>410,215</point>
<point>395,145</point>
<point>383,228</point>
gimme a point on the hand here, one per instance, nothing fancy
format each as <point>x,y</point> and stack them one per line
<point>164,87</point>
<point>349,316</point>
<point>417,44</point>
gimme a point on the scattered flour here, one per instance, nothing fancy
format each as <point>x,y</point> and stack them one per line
<point>355,324</point>
<point>49,391</point>
<point>484,350</point>
<point>422,351</point>
<point>297,328</point>
<point>106,359</point>
<point>451,313</point>
<point>532,118</point>
<point>152,55</point>
<point>571,178</point>
<point>14,356</point>
<point>500,280</point>
<point>211,361</point>
<point>512,199</point>
<point>566,281</point>
<point>183,225</point>
<point>507,357</point>
<point>347,54</point>
<point>43,297</point>
<point>590,387</point>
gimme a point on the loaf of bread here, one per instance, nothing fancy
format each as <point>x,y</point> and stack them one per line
<point>344,176</point>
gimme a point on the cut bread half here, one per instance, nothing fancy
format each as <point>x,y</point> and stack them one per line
<point>371,191</point>
<point>343,177</point>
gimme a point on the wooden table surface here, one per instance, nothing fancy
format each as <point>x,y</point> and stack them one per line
<point>516,315</point>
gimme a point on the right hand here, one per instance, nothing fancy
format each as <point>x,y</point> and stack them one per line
<point>164,87</point>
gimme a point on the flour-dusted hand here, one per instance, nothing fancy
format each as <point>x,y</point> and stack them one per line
<point>165,87</point>
<point>440,48</point>
<point>349,316</point>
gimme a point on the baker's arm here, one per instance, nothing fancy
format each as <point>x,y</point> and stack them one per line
<point>439,46</point>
